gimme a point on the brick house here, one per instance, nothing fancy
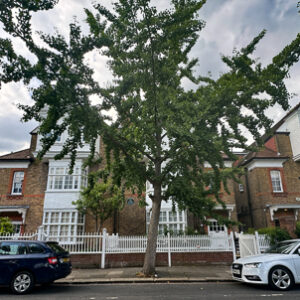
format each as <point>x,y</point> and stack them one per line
<point>270,191</point>
<point>22,188</point>
<point>35,193</point>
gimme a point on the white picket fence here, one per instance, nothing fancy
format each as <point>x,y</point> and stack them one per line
<point>26,236</point>
<point>183,243</point>
<point>95,243</point>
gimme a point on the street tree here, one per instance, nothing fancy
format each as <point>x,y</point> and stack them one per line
<point>100,199</point>
<point>162,132</point>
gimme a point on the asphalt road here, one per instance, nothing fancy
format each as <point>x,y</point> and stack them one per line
<point>155,291</point>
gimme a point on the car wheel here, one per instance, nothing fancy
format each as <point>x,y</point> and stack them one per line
<point>22,283</point>
<point>280,278</point>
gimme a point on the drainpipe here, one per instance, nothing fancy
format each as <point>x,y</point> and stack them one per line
<point>249,197</point>
<point>115,222</point>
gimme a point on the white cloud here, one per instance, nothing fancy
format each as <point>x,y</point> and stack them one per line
<point>229,24</point>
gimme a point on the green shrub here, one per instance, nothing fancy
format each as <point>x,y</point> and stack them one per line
<point>297,231</point>
<point>250,230</point>
<point>193,231</point>
<point>275,234</point>
<point>6,226</point>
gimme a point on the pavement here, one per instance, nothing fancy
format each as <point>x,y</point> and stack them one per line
<point>200,273</point>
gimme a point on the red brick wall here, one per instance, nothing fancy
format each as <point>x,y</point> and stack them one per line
<point>137,259</point>
<point>271,144</point>
<point>34,187</point>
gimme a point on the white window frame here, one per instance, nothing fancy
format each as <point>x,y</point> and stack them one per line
<point>14,182</point>
<point>241,187</point>
<point>276,181</point>
<point>172,221</point>
<point>215,227</point>
<point>58,139</point>
<point>17,227</point>
<point>72,235</point>
<point>59,176</point>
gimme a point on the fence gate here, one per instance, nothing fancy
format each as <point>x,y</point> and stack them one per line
<point>248,245</point>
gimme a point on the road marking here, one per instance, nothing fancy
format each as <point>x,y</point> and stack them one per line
<point>272,295</point>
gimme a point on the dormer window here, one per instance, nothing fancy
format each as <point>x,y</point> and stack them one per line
<point>276,181</point>
<point>17,185</point>
<point>58,139</point>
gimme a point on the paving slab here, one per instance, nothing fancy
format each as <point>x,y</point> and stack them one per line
<point>201,273</point>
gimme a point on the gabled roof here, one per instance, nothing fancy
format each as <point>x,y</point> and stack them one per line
<point>35,130</point>
<point>266,136</point>
<point>19,155</point>
<point>264,153</point>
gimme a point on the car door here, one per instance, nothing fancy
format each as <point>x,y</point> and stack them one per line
<point>37,260</point>
<point>12,255</point>
<point>296,261</point>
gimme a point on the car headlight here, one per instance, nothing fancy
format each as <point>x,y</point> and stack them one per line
<point>253,265</point>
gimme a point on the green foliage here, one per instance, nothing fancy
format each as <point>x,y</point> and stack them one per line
<point>297,231</point>
<point>100,200</point>
<point>162,133</point>
<point>6,226</point>
<point>192,231</point>
<point>276,234</point>
<point>250,230</point>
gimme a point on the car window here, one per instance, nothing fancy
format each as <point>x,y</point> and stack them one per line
<point>56,248</point>
<point>12,248</point>
<point>35,248</point>
<point>283,248</point>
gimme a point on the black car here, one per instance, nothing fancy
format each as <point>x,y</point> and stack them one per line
<point>26,263</point>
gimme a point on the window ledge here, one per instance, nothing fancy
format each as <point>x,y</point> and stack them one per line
<point>63,191</point>
<point>279,194</point>
<point>15,196</point>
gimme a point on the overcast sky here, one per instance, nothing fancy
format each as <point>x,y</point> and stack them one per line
<point>229,24</point>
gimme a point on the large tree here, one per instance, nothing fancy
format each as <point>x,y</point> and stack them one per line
<point>162,132</point>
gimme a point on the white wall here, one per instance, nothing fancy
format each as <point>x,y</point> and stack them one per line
<point>292,125</point>
<point>57,147</point>
<point>60,200</point>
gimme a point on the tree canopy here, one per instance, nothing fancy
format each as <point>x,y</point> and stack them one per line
<point>100,199</point>
<point>162,132</point>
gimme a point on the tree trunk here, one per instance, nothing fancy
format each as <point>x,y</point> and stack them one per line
<point>150,255</point>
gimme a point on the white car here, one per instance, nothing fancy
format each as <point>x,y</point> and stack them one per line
<point>279,267</point>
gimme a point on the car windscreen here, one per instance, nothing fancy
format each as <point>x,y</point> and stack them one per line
<point>56,248</point>
<point>282,248</point>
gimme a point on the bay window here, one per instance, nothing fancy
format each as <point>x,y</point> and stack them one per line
<point>174,222</point>
<point>64,226</point>
<point>60,179</point>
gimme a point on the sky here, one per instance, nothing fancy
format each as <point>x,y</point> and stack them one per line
<point>230,24</point>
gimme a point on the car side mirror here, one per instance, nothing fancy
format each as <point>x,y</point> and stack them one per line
<point>298,251</point>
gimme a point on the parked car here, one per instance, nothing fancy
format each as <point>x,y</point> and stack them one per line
<point>280,267</point>
<point>26,263</point>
